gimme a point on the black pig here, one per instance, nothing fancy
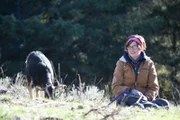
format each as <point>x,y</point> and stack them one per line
<point>40,73</point>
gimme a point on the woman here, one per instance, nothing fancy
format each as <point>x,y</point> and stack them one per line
<point>135,76</point>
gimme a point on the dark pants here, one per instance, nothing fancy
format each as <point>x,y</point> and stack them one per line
<point>128,99</point>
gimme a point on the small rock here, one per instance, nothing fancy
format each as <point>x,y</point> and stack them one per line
<point>80,107</point>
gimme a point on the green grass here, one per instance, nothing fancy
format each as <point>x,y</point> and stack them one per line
<point>83,111</point>
<point>14,108</point>
<point>75,105</point>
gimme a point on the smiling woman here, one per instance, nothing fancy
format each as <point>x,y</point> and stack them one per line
<point>135,77</point>
<point>135,45</point>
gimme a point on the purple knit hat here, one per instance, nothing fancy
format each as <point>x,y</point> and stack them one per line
<point>139,39</point>
<point>134,38</point>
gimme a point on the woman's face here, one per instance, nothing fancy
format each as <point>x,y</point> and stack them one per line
<point>134,50</point>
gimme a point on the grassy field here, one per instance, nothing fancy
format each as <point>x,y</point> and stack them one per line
<point>91,104</point>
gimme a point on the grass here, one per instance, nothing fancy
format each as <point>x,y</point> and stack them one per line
<point>86,103</point>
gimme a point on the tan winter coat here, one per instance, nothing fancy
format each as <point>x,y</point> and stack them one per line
<point>124,78</point>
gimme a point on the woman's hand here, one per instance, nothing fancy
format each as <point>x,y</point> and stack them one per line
<point>137,93</point>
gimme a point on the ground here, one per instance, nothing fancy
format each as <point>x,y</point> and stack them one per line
<point>75,104</point>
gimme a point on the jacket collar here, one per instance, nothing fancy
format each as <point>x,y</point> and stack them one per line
<point>126,58</point>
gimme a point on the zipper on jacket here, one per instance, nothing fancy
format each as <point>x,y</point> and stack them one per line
<point>136,71</point>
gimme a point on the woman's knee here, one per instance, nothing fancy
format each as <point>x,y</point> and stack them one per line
<point>161,102</point>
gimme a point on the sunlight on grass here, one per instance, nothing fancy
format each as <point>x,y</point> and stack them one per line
<point>77,111</point>
<point>87,103</point>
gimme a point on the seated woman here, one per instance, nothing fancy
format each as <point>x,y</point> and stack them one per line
<point>135,78</point>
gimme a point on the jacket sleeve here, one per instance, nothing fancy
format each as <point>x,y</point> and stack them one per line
<point>153,86</point>
<point>117,82</point>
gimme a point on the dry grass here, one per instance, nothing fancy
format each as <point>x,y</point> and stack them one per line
<point>78,103</point>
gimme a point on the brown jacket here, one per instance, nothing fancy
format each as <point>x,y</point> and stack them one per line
<point>124,78</point>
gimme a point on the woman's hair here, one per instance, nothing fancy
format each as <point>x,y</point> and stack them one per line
<point>138,39</point>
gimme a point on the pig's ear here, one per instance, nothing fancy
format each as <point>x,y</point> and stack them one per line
<point>56,83</point>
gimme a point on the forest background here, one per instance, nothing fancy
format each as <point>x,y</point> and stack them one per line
<point>86,37</point>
